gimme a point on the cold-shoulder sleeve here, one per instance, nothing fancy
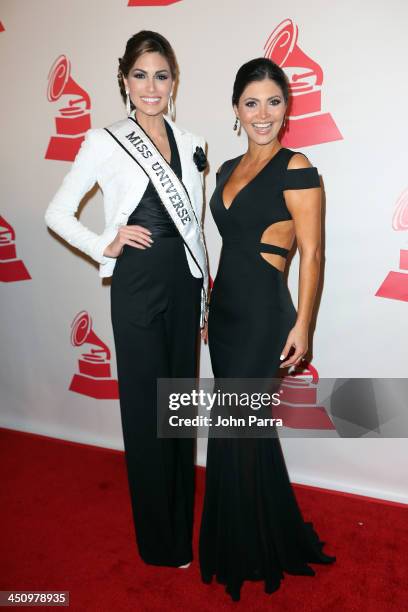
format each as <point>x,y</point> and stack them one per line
<point>301,178</point>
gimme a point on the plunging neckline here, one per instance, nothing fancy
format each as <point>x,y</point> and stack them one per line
<point>168,132</point>
<point>247,184</point>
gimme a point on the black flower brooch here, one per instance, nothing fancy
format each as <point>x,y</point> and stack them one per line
<point>200,159</point>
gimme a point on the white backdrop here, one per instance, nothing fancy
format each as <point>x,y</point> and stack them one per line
<point>362,50</point>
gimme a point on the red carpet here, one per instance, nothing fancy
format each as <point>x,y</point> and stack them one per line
<point>66,525</point>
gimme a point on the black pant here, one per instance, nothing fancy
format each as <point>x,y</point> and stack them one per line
<point>155,306</point>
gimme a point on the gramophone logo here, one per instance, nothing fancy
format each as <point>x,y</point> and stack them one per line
<point>298,401</point>
<point>74,119</point>
<point>395,285</point>
<point>94,378</point>
<point>151,2</point>
<point>307,124</point>
<point>11,268</point>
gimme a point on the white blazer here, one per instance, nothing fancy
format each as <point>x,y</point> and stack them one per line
<point>123,183</point>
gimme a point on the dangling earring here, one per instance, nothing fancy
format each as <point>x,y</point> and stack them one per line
<point>171,108</point>
<point>128,109</point>
<point>284,123</point>
<point>236,124</point>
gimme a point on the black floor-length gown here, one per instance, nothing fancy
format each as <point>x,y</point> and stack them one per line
<point>252,528</point>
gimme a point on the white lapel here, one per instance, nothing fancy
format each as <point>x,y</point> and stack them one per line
<point>185,149</point>
<point>139,181</point>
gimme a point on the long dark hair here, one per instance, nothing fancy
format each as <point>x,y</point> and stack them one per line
<point>257,70</point>
<point>145,41</point>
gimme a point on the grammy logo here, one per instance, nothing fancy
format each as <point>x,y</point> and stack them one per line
<point>94,378</point>
<point>297,408</point>
<point>11,268</point>
<point>74,119</point>
<point>395,285</point>
<point>307,124</point>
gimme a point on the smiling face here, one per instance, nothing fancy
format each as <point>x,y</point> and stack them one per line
<point>261,110</point>
<point>150,83</point>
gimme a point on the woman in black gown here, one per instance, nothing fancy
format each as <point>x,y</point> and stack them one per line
<point>252,528</point>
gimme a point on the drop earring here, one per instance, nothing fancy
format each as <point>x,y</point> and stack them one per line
<point>284,123</point>
<point>236,124</point>
<point>171,108</point>
<point>128,109</point>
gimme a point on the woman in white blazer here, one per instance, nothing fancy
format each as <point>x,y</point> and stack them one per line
<point>156,287</point>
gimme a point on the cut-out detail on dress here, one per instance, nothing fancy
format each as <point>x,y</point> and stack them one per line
<point>271,248</point>
<point>279,233</point>
<point>274,261</point>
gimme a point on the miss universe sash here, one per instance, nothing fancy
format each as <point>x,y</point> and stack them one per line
<point>131,137</point>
